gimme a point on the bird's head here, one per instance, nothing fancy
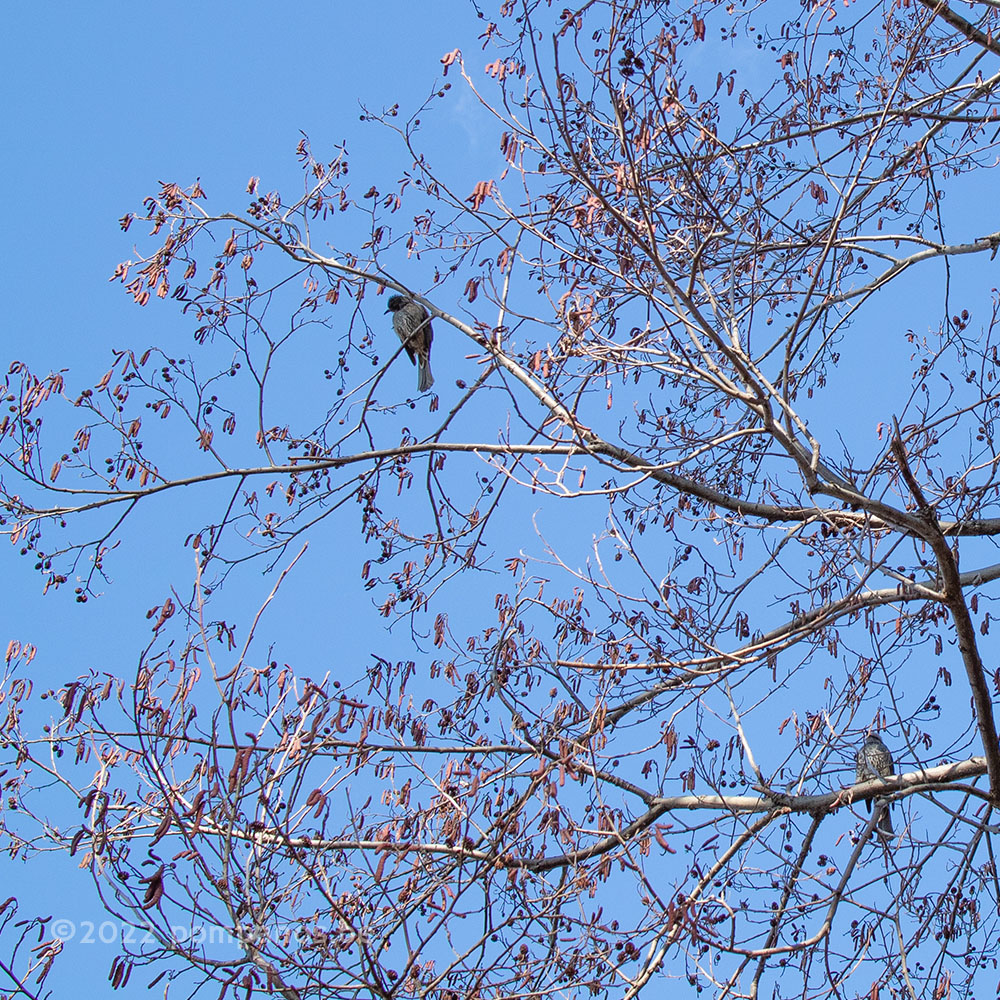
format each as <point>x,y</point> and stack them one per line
<point>396,302</point>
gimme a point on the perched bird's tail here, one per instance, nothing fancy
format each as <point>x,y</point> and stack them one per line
<point>424,377</point>
<point>884,823</point>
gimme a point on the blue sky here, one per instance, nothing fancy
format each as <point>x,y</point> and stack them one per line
<point>100,102</point>
<point>103,101</point>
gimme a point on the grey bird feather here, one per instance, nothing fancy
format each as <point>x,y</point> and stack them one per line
<point>412,324</point>
<point>874,761</point>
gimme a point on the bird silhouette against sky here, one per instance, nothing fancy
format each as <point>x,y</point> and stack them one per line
<point>412,324</point>
<point>875,761</point>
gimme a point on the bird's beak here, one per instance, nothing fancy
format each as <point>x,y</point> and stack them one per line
<point>387,312</point>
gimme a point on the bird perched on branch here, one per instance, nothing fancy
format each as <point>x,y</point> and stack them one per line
<point>412,324</point>
<point>875,761</point>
